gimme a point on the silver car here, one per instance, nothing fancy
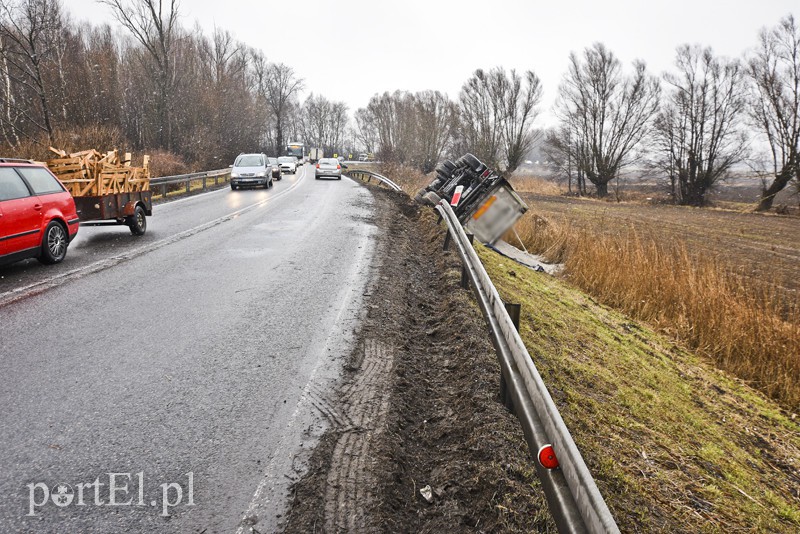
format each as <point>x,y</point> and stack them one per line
<point>329,167</point>
<point>251,170</point>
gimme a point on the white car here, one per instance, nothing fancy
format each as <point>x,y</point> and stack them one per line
<point>288,164</point>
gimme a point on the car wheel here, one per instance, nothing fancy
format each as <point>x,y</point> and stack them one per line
<point>339,177</point>
<point>54,243</point>
<point>233,187</point>
<point>137,222</point>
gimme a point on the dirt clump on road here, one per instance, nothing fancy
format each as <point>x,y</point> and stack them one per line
<point>419,441</point>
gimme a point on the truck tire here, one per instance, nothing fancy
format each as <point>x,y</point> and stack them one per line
<point>446,168</point>
<point>473,163</point>
<point>137,222</point>
<point>54,243</point>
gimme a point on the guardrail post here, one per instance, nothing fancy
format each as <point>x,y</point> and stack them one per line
<point>204,182</point>
<point>164,191</point>
<point>216,179</point>
<point>446,240</point>
<point>505,395</point>
<point>464,273</point>
<point>188,185</point>
<point>514,312</point>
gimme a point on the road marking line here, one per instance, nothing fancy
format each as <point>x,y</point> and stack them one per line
<point>43,285</point>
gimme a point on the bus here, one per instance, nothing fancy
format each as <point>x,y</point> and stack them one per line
<point>297,149</point>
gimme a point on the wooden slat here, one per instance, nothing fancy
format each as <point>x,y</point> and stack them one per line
<point>89,172</point>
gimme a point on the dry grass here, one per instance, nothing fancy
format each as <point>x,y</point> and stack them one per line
<point>528,183</point>
<point>740,322</point>
<point>411,180</point>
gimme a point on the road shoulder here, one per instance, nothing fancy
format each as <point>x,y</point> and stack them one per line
<point>419,406</point>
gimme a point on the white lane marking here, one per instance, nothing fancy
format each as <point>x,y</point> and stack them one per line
<point>43,285</point>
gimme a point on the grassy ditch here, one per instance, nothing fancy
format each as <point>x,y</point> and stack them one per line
<point>745,325</point>
<point>675,444</point>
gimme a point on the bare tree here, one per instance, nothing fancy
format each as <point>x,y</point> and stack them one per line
<point>497,115</point>
<point>481,126</point>
<point>564,146</point>
<point>28,31</point>
<point>609,112</point>
<point>436,121</point>
<point>410,128</point>
<point>775,70</point>
<point>698,129</point>
<point>279,87</point>
<point>154,24</point>
<point>324,123</point>
<point>518,105</point>
<point>366,130</point>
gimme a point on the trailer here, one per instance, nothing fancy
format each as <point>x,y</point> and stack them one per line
<point>129,209</point>
<point>106,189</point>
<point>315,154</point>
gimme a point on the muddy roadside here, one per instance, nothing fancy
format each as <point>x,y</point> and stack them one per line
<point>418,441</point>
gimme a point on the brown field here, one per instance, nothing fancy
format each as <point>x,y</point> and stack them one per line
<point>724,282</point>
<point>762,246</point>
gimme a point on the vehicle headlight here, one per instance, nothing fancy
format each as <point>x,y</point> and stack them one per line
<point>234,175</point>
<point>261,174</point>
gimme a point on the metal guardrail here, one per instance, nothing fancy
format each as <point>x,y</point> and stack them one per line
<point>165,181</point>
<point>572,495</point>
<point>367,176</point>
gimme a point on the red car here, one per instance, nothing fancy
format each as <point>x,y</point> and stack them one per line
<point>37,214</point>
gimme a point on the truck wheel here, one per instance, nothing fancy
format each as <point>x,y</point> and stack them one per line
<point>137,222</point>
<point>474,163</point>
<point>233,187</point>
<point>54,244</point>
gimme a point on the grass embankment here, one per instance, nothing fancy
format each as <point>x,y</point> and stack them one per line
<point>745,325</point>
<point>674,444</point>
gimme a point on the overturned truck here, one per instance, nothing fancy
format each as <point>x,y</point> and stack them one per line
<point>484,201</point>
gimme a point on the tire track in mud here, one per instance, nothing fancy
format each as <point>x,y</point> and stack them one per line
<point>365,404</point>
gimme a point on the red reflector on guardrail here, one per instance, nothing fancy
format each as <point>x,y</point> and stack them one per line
<point>457,195</point>
<point>547,457</point>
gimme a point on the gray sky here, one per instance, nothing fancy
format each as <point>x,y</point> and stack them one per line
<point>348,50</point>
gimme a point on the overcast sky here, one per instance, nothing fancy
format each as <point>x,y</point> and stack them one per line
<point>348,50</point>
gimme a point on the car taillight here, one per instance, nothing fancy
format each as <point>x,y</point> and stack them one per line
<point>338,166</point>
<point>318,165</point>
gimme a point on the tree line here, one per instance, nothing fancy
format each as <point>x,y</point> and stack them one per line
<point>207,98</point>
<point>161,86</point>
<point>694,124</point>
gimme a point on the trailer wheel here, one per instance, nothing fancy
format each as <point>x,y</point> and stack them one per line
<point>137,222</point>
<point>54,244</point>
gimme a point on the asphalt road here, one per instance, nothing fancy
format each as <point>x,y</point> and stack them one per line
<point>193,362</point>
